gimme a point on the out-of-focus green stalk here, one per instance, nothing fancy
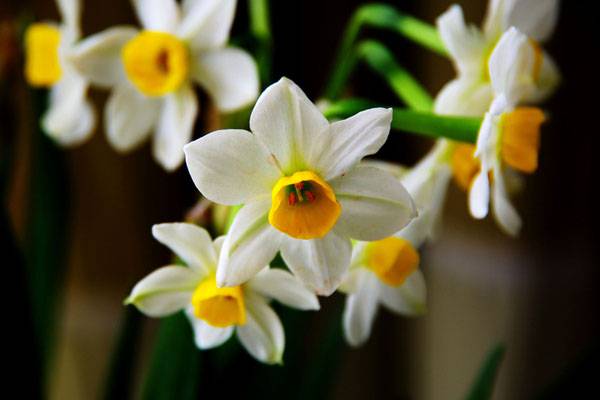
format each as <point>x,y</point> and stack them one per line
<point>122,364</point>
<point>174,371</point>
<point>461,129</point>
<point>21,336</point>
<point>46,235</point>
<point>404,85</point>
<point>483,386</point>
<point>260,27</point>
<point>380,16</point>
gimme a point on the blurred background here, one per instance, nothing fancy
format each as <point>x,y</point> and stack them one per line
<point>538,294</point>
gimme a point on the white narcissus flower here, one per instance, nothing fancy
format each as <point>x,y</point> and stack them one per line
<point>386,271</point>
<point>151,72</point>
<point>215,313</point>
<point>471,92</point>
<point>509,135</point>
<point>70,118</point>
<point>302,187</point>
<point>382,272</point>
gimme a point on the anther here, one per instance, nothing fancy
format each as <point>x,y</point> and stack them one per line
<point>292,199</point>
<point>309,195</point>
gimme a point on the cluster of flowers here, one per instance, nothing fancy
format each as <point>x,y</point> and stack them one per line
<point>297,184</point>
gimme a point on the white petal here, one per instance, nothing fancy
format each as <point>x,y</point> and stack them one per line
<point>157,15</point>
<point>189,242</point>
<point>511,66</point>
<point>360,310</point>
<point>465,43</point>
<point>262,334</point>
<point>286,121</point>
<point>164,291</point>
<point>70,11</point>
<point>231,166</point>
<point>229,75</point>
<point>374,203</point>
<point>174,128</point>
<point>409,299</point>
<point>319,263</point>
<point>70,119</point>
<point>249,246</point>
<point>535,18</point>
<point>505,214</point>
<point>338,150</point>
<point>205,335</point>
<point>98,57</point>
<point>206,23</point>
<point>285,288</point>
<point>479,196</point>
<point>465,96</point>
<point>128,117</point>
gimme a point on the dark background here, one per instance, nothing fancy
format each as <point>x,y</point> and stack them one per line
<point>537,294</point>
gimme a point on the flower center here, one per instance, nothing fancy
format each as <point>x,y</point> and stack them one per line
<point>42,63</point>
<point>156,63</point>
<point>464,165</point>
<point>520,138</point>
<point>219,307</point>
<point>303,206</point>
<point>391,259</point>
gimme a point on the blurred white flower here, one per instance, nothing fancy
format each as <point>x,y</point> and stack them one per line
<point>382,272</point>
<point>470,48</point>
<point>215,313</point>
<point>302,188</point>
<point>509,135</point>
<point>70,118</point>
<point>151,72</point>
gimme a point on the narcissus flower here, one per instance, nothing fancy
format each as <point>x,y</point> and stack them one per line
<point>151,72</point>
<point>509,135</point>
<point>470,48</point>
<point>215,313</point>
<point>70,118</point>
<point>382,272</point>
<point>302,187</point>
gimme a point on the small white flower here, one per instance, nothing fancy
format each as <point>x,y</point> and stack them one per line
<point>302,188</point>
<point>382,272</point>
<point>215,313</point>
<point>470,48</point>
<point>70,118</point>
<point>151,72</point>
<point>509,135</point>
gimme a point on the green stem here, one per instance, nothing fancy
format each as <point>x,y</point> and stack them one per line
<point>461,129</point>
<point>174,371</point>
<point>260,27</point>
<point>122,364</point>
<point>406,87</point>
<point>380,16</point>
<point>483,386</point>
<point>46,235</point>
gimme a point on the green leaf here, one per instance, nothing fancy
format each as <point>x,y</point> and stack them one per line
<point>46,235</point>
<point>461,129</point>
<point>381,16</point>
<point>260,28</point>
<point>483,386</point>
<point>404,85</point>
<point>174,371</point>
<point>122,364</point>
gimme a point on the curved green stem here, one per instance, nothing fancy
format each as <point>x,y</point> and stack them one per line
<point>461,129</point>
<point>404,85</point>
<point>380,16</point>
<point>260,27</point>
